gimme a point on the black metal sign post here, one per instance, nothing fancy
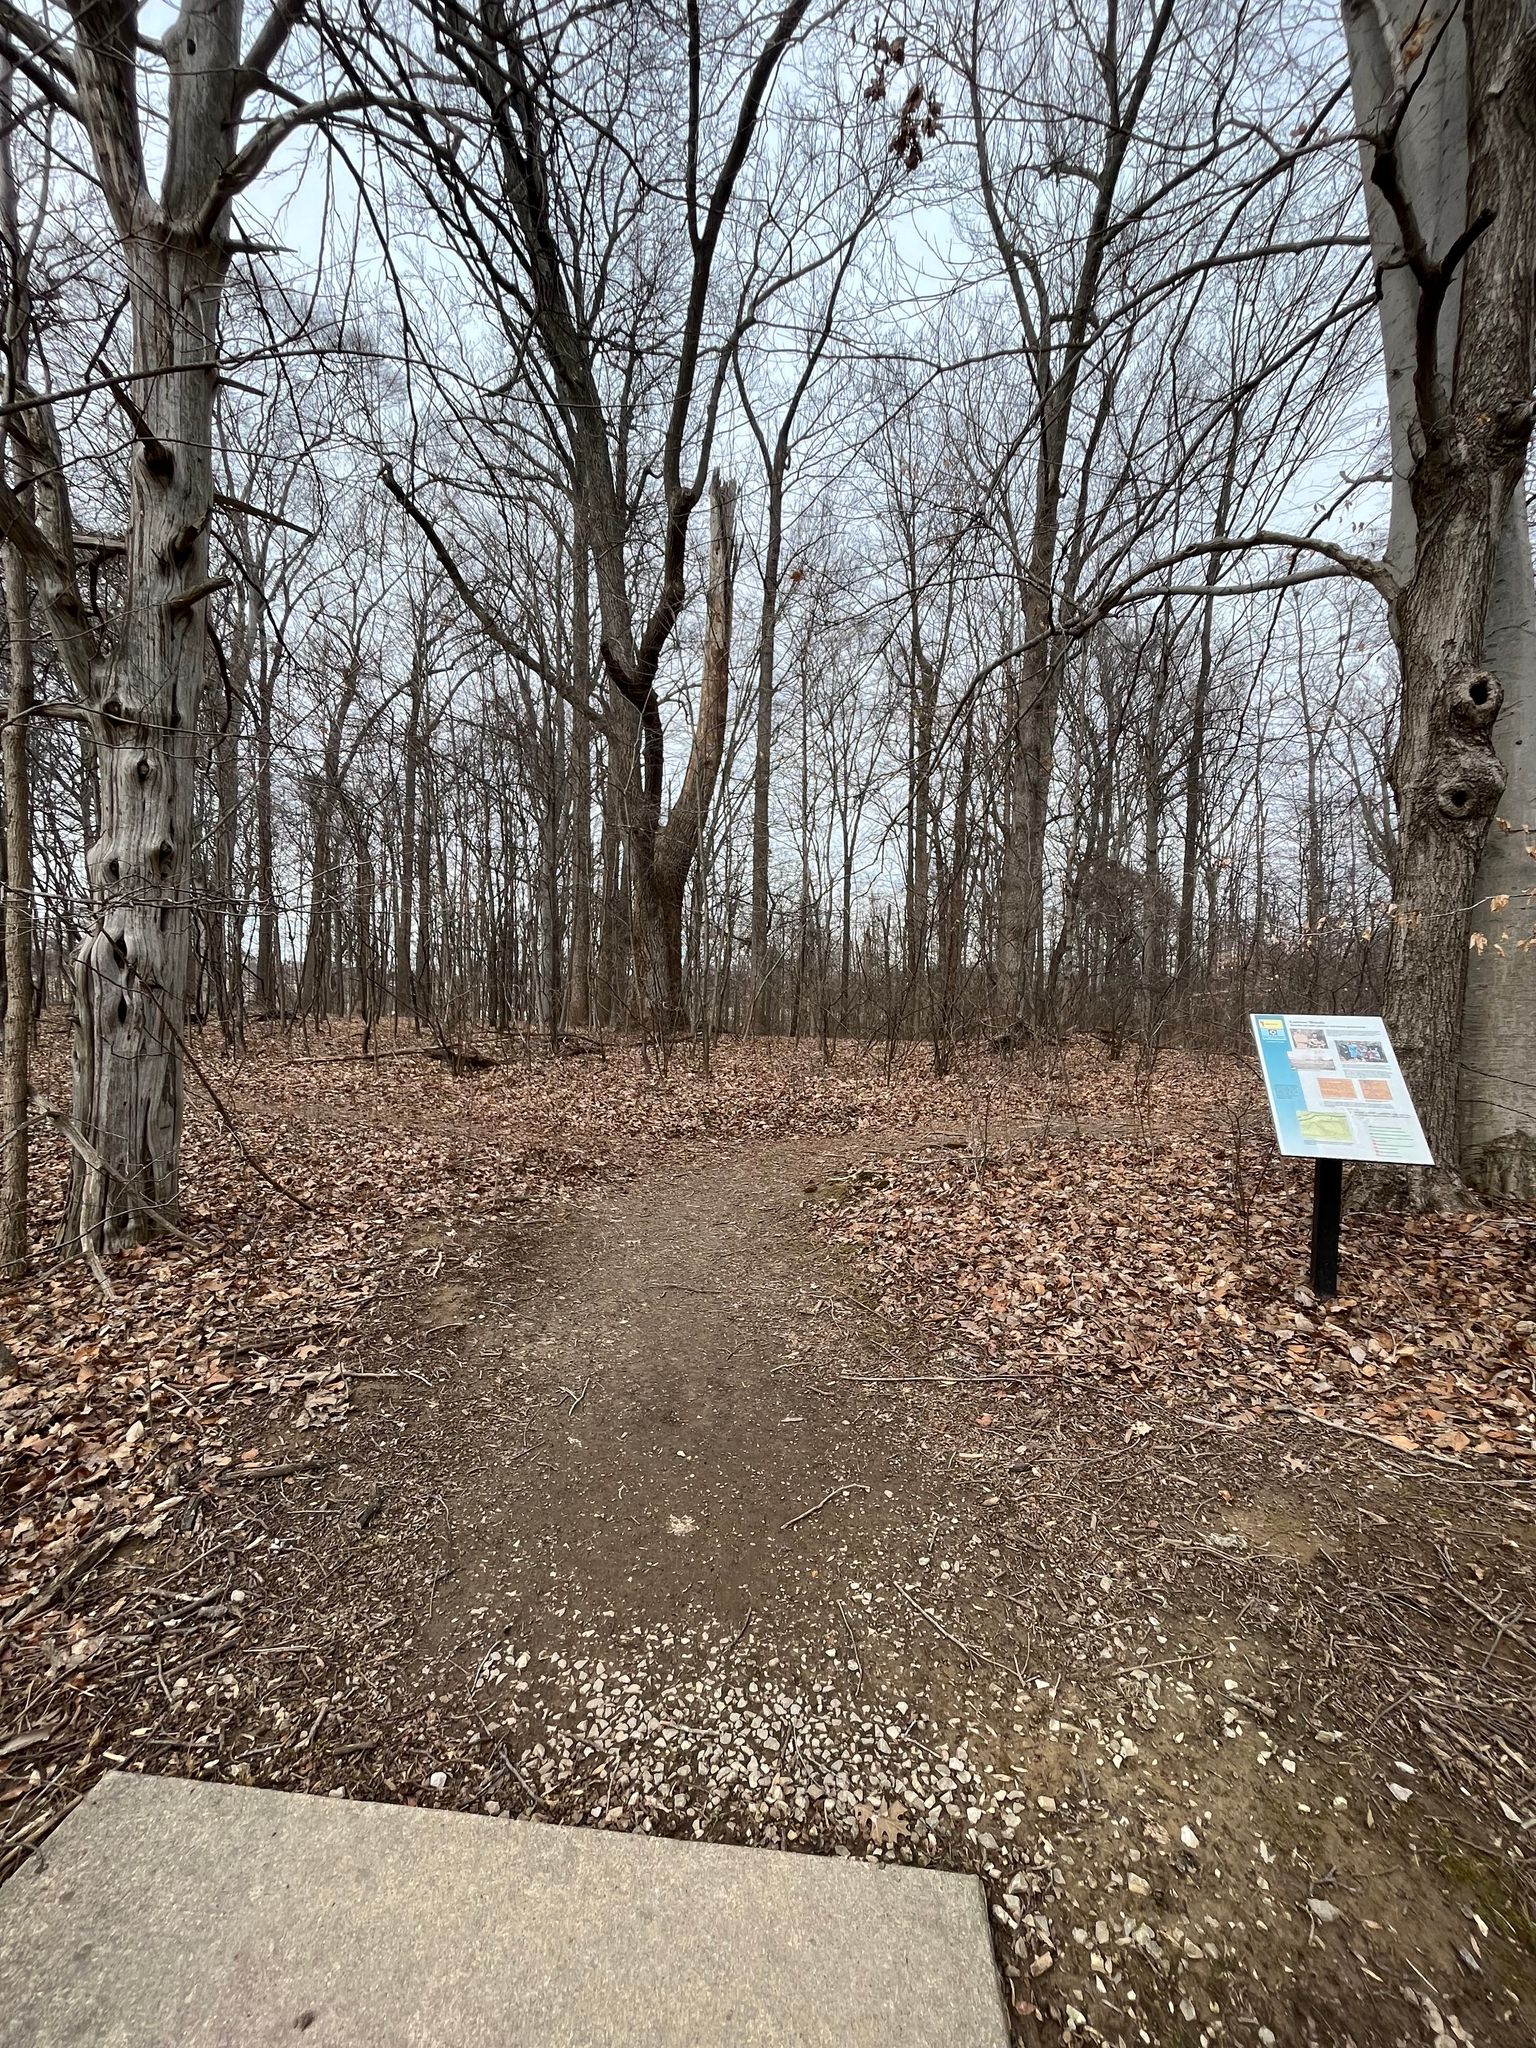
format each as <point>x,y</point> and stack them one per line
<point>1327,1211</point>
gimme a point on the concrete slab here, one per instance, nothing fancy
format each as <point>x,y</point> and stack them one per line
<point>167,1914</point>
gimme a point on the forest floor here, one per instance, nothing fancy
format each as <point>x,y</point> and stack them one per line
<point>950,1471</point>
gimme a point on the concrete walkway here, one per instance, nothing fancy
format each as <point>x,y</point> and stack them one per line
<point>167,1914</point>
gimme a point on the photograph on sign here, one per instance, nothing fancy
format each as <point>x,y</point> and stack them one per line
<point>1336,1090</point>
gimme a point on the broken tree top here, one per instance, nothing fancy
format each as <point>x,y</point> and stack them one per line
<point>168,1914</point>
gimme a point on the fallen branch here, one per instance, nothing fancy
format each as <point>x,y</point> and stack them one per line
<point>84,1561</point>
<point>1412,1450</point>
<point>935,1379</point>
<point>98,1270</point>
<point>269,1342</point>
<point>285,1468</point>
<point>806,1513</point>
<point>228,1120</point>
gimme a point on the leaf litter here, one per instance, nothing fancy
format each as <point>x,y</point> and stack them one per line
<point>1118,1257</point>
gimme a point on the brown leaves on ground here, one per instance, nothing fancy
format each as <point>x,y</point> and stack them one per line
<point>1140,1234</point>
<point>114,1413</point>
<point>1153,1263</point>
<point>1069,1220</point>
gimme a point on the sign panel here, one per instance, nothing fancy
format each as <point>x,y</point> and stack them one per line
<point>1336,1090</point>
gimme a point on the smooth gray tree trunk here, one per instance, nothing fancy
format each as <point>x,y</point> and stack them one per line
<point>1446,103</point>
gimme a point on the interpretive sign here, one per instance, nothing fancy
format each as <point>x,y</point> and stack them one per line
<point>1336,1092</point>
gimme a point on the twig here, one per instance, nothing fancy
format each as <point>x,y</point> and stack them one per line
<point>935,1379</point>
<point>852,1486</point>
<point>84,1561</point>
<point>271,1342</point>
<point>227,1119</point>
<point>966,1648</point>
<point>853,1642</point>
<point>735,1639</point>
<point>285,1468</point>
<point>98,1270</point>
<point>1412,1451</point>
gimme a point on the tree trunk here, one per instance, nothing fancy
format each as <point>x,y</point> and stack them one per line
<point>579,1003</point>
<point>18,925</point>
<point>1446,109</point>
<point>404,969</point>
<point>1496,1103</point>
<point>762,762</point>
<point>421,966</point>
<point>551,756</point>
<point>269,963</point>
<point>612,941</point>
<point>227,921</point>
<point>130,969</point>
<point>663,881</point>
<point>1033,743</point>
<point>925,704</point>
<point>1199,711</point>
<point>16,850</point>
<point>142,694</point>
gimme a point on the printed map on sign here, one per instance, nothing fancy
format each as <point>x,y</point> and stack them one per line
<point>1336,1090</point>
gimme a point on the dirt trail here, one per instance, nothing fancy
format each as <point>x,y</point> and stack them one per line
<point>1086,1655</point>
<point>655,1410</point>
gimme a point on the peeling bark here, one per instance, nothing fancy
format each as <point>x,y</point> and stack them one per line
<point>141,692</point>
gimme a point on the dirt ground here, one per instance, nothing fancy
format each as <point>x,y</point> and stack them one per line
<point>642,1516</point>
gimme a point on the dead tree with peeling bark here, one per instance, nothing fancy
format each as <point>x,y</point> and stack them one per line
<point>140,684</point>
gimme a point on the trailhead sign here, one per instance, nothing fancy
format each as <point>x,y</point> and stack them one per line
<point>1336,1090</point>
